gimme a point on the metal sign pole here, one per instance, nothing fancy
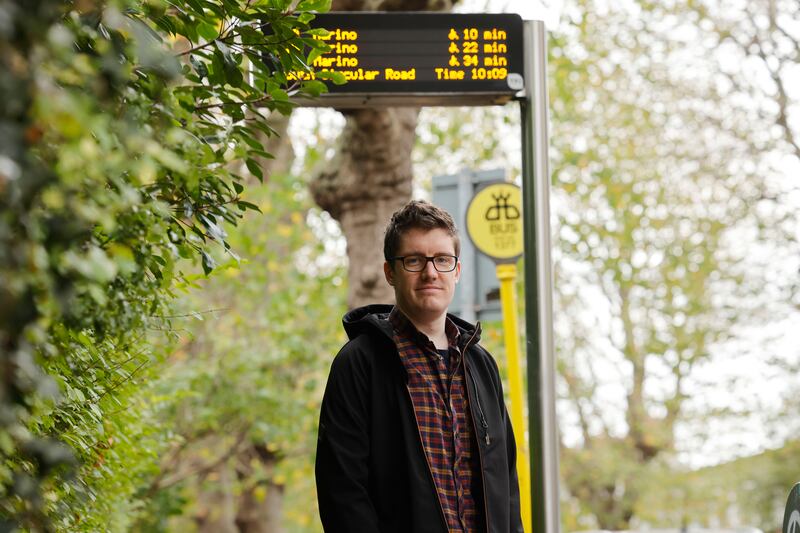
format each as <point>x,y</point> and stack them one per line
<point>538,284</point>
<point>468,274</point>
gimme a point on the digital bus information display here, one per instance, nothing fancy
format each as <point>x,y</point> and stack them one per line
<point>421,53</point>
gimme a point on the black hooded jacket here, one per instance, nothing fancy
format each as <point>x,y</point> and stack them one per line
<point>372,475</point>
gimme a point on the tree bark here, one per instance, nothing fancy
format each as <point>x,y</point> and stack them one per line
<point>216,502</point>
<point>260,506</point>
<point>369,179</point>
<point>370,176</point>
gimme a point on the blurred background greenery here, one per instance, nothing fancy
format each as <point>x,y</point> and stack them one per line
<point>177,248</point>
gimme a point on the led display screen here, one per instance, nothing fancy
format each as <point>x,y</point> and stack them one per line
<point>396,53</point>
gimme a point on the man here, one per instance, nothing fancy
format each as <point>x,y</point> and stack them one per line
<point>414,436</point>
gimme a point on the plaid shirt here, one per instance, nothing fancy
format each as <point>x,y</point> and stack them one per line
<point>447,434</point>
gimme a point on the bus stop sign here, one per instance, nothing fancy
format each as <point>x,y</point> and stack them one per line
<point>494,222</point>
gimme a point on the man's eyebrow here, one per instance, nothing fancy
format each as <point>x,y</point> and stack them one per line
<point>423,255</point>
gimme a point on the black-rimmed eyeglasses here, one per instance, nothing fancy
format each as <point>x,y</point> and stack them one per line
<point>417,263</point>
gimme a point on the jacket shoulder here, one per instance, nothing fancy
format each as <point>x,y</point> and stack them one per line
<point>356,367</point>
<point>362,347</point>
<point>360,354</point>
<point>482,355</point>
<point>485,364</point>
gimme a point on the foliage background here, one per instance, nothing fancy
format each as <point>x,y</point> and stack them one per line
<point>141,393</point>
<point>241,392</point>
<point>119,123</point>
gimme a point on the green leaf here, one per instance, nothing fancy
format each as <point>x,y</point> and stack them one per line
<point>233,75</point>
<point>207,31</point>
<point>313,55</point>
<point>96,410</point>
<point>247,205</point>
<point>279,95</point>
<point>255,168</point>
<point>197,231</point>
<point>315,88</point>
<point>336,77</point>
<point>208,262</point>
<point>196,6</point>
<point>199,66</point>
<point>188,28</point>
<point>225,50</point>
<point>314,5</point>
<point>76,395</point>
<point>250,35</point>
<point>167,23</point>
<point>217,73</point>
<point>321,32</point>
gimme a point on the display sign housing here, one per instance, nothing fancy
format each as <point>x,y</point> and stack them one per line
<point>420,58</point>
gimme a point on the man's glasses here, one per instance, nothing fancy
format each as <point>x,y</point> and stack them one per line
<point>417,263</point>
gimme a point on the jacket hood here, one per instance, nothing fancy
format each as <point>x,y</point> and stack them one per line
<point>368,318</point>
<point>376,317</point>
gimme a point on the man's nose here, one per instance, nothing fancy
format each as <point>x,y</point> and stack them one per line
<point>430,271</point>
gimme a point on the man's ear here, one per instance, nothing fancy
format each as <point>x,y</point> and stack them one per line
<point>388,273</point>
<point>458,271</point>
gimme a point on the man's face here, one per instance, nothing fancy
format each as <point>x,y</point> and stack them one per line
<point>423,296</point>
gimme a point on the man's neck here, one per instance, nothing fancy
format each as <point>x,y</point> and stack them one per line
<point>433,329</point>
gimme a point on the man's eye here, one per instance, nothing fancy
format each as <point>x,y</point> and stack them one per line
<point>413,260</point>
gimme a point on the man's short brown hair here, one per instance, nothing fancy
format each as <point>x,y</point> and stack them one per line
<point>417,214</point>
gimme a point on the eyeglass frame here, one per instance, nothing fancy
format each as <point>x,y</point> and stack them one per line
<point>428,259</point>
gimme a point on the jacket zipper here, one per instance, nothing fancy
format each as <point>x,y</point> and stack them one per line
<point>480,412</point>
<point>484,424</point>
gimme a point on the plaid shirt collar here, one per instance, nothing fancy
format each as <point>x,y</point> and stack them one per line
<point>406,328</point>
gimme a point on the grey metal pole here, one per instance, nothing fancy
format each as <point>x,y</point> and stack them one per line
<point>542,428</point>
<point>468,275</point>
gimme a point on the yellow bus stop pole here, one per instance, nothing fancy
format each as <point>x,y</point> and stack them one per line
<point>507,274</point>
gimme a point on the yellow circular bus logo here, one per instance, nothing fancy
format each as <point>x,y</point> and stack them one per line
<point>494,221</point>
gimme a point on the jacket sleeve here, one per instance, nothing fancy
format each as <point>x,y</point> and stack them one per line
<point>515,517</point>
<point>343,449</point>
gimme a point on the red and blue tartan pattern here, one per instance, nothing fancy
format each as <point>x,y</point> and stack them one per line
<point>439,399</point>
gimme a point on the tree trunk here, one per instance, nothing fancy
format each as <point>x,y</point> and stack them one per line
<point>370,176</point>
<point>369,179</point>
<point>215,502</point>
<point>260,506</point>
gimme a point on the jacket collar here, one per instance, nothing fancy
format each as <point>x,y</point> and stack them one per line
<point>375,318</point>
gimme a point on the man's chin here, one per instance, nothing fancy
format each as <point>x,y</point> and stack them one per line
<point>431,309</point>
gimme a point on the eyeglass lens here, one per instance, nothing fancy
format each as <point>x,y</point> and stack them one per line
<point>417,263</point>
